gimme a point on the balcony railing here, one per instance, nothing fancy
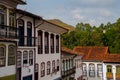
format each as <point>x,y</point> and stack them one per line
<point>118,75</point>
<point>68,72</point>
<point>109,75</point>
<point>26,41</point>
<point>8,32</point>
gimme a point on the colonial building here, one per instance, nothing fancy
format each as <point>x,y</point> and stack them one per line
<point>68,64</point>
<point>48,54</point>
<point>8,39</point>
<point>26,45</point>
<point>98,64</point>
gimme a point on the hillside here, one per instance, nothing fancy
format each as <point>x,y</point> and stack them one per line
<point>62,24</point>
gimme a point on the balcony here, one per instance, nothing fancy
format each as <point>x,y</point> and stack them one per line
<point>68,72</point>
<point>26,41</point>
<point>118,75</point>
<point>109,75</point>
<point>8,32</point>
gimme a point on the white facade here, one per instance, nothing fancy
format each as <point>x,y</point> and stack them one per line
<point>49,51</point>
<point>93,67</point>
<point>78,63</point>
<point>113,71</point>
<point>26,46</point>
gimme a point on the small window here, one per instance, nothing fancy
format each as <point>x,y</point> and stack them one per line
<point>53,66</point>
<point>99,70</point>
<point>11,18</point>
<point>109,68</point>
<point>58,64</point>
<point>19,56</point>
<point>57,44</point>
<point>84,69</point>
<point>31,57</point>
<point>2,55</point>
<point>25,58</point>
<point>91,70</point>
<point>11,54</point>
<point>118,69</point>
<point>3,15</point>
<point>48,67</point>
<point>40,47</point>
<point>42,69</point>
<point>52,43</point>
<point>46,42</point>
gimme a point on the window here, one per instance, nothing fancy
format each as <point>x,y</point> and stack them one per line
<point>48,67</point>
<point>57,44</point>
<point>19,55</point>
<point>11,18</point>
<point>53,66</point>
<point>2,55</point>
<point>40,49</point>
<point>118,69</point>
<point>58,63</point>
<point>99,70</point>
<point>29,34</point>
<point>25,58</point>
<point>3,15</point>
<point>42,69</point>
<point>31,57</point>
<point>46,43</point>
<point>11,54</point>
<point>91,70</point>
<point>84,69</point>
<point>21,32</point>
<point>52,43</point>
<point>109,68</point>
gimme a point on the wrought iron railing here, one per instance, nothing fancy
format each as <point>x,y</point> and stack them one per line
<point>8,32</point>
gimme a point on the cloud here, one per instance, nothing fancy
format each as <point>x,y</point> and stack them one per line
<point>97,3</point>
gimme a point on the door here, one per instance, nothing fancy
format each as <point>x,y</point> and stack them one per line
<point>27,78</point>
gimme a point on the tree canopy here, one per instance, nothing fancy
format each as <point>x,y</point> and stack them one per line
<point>87,35</point>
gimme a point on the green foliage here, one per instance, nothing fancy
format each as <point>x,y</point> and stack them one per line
<point>87,35</point>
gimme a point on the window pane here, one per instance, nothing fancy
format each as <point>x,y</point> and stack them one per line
<point>11,55</point>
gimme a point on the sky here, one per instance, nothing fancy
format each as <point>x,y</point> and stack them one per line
<point>72,12</point>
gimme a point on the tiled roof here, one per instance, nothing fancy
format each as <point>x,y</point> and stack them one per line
<point>69,51</point>
<point>112,58</point>
<point>92,53</point>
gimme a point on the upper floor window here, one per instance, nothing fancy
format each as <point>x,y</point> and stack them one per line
<point>109,68</point>
<point>46,42</point>
<point>91,70</point>
<point>58,64</point>
<point>53,66</point>
<point>42,69</point>
<point>40,48</point>
<point>99,70</point>
<point>48,67</point>
<point>52,43</point>
<point>84,69</point>
<point>2,55</point>
<point>31,57</point>
<point>21,32</point>
<point>57,44</point>
<point>11,18</point>
<point>11,54</point>
<point>29,34</point>
<point>25,58</point>
<point>3,15</point>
